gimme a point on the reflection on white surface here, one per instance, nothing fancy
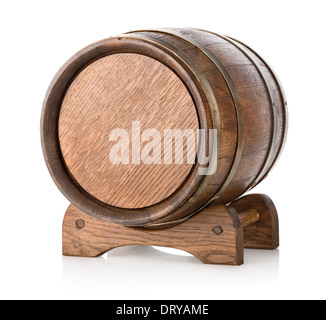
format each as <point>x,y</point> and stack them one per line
<point>137,271</point>
<point>176,252</point>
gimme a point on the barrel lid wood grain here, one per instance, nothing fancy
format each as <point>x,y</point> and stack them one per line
<point>116,94</point>
<point>72,150</point>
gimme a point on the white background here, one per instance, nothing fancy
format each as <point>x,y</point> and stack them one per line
<point>37,37</point>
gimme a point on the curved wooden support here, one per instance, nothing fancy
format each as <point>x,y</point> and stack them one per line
<point>216,235</point>
<point>265,233</point>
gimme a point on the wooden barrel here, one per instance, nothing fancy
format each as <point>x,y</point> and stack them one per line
<point>125,95</point>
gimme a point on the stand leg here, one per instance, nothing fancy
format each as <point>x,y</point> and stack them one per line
<point>213,236</point>
<point>216,235</point>
<point>263,234</point>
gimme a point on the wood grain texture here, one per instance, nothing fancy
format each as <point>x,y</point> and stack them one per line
<point>249,217</point>
<point>109,94</point>
<point>216,235</point>
<point>195,236</point>
<point>265,233</point>
<point>49,129</point>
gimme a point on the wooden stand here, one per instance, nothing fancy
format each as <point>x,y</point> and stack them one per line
<point>216,235</point>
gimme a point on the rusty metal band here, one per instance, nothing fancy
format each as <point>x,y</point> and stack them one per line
<point>236,100</point>
<point>210,98</point>
<point>269,155</point>
<point>285,108</point>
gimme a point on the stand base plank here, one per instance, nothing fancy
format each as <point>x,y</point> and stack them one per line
<point>216,235</point>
